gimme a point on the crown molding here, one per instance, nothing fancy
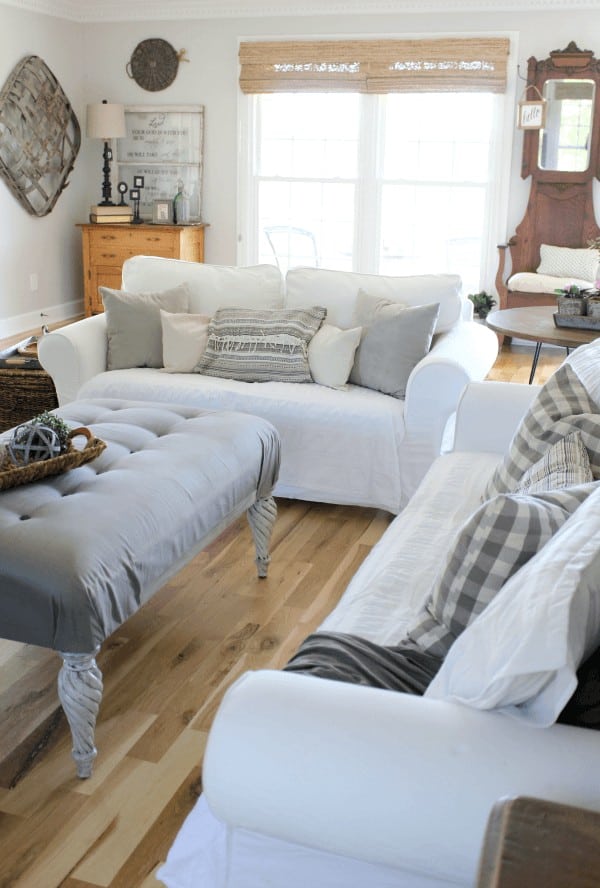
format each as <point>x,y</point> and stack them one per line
<point>155,10</point>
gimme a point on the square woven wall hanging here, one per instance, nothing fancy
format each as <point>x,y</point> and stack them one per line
<point>39,136</point>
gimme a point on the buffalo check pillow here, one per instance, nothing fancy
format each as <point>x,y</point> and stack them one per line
<point>260,345</point>
<point>568,402</point>
<point>497,540</point>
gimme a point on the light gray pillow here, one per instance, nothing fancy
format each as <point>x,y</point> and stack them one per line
<point>134,327</point>
<point>394,339</point>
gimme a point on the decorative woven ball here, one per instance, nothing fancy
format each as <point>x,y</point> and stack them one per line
<point>31,442</point>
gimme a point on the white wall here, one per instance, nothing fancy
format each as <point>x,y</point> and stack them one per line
<point>30,245</point>
<point>90,62</point>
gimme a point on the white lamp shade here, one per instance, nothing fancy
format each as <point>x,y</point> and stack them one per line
<point>105,121</point>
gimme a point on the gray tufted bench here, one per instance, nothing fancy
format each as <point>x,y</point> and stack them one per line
<point>81,552</point>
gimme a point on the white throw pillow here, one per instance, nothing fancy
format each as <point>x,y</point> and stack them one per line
<point>331,355</point>
<point>184,338</point>
<point>521,654</point>
<point>568,262</point>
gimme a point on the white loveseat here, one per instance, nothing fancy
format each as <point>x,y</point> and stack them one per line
<point>316,782</point>
<point>355,446</point>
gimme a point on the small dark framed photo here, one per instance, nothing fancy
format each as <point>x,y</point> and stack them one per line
<point>162,211</point>
<point>134,194</point>
<point>138,181</point>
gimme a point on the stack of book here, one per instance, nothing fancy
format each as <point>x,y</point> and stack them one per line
<point>111,215</point>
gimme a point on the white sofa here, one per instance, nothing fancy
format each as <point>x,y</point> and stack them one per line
<point>356,446</point>
<point>315,782</point>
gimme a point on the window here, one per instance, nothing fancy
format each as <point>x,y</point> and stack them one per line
<point>402,183</point>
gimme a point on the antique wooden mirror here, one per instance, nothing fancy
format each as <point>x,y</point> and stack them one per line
<point>563,159</point>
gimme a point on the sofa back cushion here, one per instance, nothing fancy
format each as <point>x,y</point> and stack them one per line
<point>337,291</point>
<point>210,286</point>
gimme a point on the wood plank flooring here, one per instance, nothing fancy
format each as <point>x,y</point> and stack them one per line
<point>165,672</point>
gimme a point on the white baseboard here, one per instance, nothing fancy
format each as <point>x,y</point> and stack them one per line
<point>33,320</point>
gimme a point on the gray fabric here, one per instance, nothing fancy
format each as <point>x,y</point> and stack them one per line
<point>563,405</point>
<point>498,539</point>
<point>261,345</point>
<point>343,657</point>
<point>133,325</point>
<point>391,346</point>
<point>566,464</point>
<point>81,552</point>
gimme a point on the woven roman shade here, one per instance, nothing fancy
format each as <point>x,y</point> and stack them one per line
<point>375,66</point>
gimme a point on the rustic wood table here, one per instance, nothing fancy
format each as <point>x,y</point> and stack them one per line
<point>537,325</point>
<point>532,842</point>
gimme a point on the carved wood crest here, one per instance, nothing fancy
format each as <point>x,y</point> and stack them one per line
<point>39,136</point>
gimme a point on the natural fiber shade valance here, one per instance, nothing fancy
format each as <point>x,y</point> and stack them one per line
<point>375,66</point>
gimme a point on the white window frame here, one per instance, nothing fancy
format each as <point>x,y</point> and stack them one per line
<point>368,198</point>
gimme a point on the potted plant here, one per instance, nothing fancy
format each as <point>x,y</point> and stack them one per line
<point>482,303</point>
<point>571,300</point>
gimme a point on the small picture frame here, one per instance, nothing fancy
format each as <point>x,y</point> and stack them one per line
<point>162,211</point>
<point>138,181</point>
<point>531,115</point>
<point>134,194</point>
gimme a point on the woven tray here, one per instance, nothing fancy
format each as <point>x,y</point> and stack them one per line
<point>13,476</point>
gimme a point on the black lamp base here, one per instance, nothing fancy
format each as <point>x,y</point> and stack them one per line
<point>106,185</point>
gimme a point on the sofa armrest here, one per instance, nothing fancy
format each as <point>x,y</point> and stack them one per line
<point>73,354</point>
<point>488,415</point>
<point>465,353</point>
<point>381,776</point>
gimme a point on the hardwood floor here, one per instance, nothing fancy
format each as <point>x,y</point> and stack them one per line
<point>165,672</point>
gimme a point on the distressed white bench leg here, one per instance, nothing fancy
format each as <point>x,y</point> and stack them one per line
<point>261,517</point>
<point>80,693</point>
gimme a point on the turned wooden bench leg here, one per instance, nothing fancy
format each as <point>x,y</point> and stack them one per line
<point>261,517</point>
<point>80,693</point>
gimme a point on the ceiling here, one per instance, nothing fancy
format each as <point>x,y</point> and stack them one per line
<point>156,10</point>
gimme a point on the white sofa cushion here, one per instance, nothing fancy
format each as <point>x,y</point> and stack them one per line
<point>530,282</point>
<point>521,654</point>
<point>337,291</point>
<point>211,286</point>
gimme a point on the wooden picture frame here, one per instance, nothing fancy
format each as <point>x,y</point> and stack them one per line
<point>531,115</point>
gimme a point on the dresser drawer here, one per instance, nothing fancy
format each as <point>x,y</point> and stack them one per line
<point>113,247</point>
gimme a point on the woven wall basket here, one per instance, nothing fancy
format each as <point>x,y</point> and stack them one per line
<point>39,136</point>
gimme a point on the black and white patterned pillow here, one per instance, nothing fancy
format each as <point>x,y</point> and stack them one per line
<point>566,464</point>
<point>498,539</point>
<point>569,401</point>
<point>260,345</point>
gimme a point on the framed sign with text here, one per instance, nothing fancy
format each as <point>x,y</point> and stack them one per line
<point>163,144</point>
<point>531,115</point>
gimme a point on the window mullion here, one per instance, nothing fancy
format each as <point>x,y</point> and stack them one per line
<point>368,195</point>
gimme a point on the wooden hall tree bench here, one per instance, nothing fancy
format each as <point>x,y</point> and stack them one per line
<point>81,552</point>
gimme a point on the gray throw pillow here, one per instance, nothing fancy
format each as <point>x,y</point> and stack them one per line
<point>134,327</point>
<point>260,345</point>
<point>394,339</point>
<point>498,539</point>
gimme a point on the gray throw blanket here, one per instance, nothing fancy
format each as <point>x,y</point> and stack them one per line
<point>344,657</point>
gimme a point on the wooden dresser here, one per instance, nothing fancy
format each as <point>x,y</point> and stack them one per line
<point>106,247</point>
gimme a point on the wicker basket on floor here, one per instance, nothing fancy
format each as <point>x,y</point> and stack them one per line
<point>23,395</point>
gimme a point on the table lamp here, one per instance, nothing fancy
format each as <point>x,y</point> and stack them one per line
<point>106,121</point>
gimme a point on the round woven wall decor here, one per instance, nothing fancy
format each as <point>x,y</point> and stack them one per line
<point>153,64</point>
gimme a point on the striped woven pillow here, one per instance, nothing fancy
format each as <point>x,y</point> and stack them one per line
<point>260,345</point>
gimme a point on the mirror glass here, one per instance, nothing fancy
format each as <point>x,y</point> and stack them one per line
<point>566,138</point>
